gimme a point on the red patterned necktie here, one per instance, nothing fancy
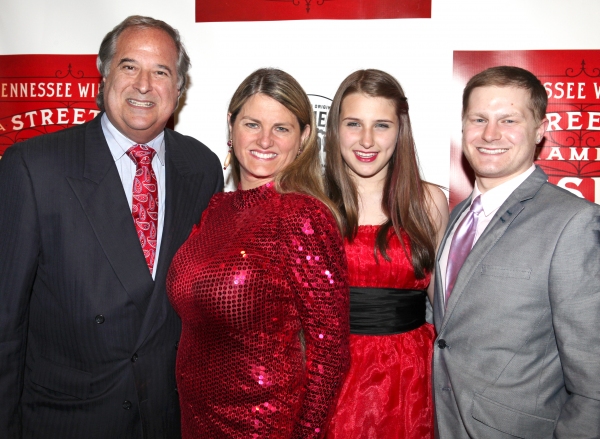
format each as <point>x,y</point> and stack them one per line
<point>462,242</point>
<point>144,206</point>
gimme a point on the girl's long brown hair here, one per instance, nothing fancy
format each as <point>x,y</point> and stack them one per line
<point>405,199</point>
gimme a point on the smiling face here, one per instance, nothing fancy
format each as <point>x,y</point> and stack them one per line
<point>140,90</point>
<point>368,133</point>
<point>500,134</point>
<point>266,138</point>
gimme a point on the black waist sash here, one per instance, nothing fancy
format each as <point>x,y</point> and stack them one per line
<point>381,311</point>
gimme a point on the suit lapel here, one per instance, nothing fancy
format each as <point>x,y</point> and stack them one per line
<point>183,185</point>
<point>502,220</point>
<point>103,200</point>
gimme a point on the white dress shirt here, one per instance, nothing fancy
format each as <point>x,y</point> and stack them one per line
<point>491,202</point>
<point>119,145</point>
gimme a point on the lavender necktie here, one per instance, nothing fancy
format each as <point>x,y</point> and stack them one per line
<point>462,242</point>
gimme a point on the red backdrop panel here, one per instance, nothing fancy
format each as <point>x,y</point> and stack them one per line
<point>45,93</point>
<point>271,10</point>
<point>570,151</point>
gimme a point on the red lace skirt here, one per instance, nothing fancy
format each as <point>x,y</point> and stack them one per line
<point>387,393</point>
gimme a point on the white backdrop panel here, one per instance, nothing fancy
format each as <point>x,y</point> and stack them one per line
<point>319,53</point>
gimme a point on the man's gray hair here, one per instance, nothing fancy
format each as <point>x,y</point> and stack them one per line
<point>109,47</point>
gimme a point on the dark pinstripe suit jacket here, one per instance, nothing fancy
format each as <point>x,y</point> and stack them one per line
<point>87,338</point>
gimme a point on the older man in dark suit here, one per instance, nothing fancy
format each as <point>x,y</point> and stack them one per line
<point>90,218</point>
<point>517,293</point>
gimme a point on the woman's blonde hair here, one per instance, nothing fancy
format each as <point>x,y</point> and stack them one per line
<point>304,174</point>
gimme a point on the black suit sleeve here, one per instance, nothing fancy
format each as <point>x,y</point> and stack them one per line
<point>220,184</point>
<point>19,252</point>
<point>219,181</point>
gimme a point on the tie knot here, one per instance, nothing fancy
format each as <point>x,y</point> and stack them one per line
<point>476,206</point>
<point>141,154</point>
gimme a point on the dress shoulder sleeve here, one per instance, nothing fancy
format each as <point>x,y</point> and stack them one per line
<point>313,251</point>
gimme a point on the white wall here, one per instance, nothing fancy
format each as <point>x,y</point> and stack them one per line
<point>319,53</point>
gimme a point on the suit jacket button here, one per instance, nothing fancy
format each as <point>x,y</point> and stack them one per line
<point>134,358</point>
<point>99,319</point>
<point>126,405</point>
<point>442,344</point>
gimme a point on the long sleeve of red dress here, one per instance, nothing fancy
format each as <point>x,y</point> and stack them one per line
<point>261,288</point>
<point>320,284</point>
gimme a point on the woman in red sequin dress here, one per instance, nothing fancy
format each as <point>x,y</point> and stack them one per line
<point>261,283</point>
<point>392,224</point>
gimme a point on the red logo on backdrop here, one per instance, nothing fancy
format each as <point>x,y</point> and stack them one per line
<point>272,10</point>
<point>41,94</point>
<point>570,152</point>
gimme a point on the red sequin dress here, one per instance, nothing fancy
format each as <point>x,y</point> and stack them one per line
<point>261,289</point>
<point>387,392</point>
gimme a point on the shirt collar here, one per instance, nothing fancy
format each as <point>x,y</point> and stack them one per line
<point>119,144</point>
<point>494,198</point>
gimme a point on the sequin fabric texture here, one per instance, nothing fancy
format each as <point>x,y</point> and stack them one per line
<point>261,288</point>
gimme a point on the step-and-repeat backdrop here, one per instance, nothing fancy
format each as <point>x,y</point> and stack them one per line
<point>48,78</point>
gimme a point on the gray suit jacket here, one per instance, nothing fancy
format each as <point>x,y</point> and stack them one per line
<point>518,348</point>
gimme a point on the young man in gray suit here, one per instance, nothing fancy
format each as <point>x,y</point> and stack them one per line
<point>90,218</point>
<point>517,292</point>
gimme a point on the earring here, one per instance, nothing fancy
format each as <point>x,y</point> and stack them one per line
<point>228,157</point>
<point>299,152</point>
